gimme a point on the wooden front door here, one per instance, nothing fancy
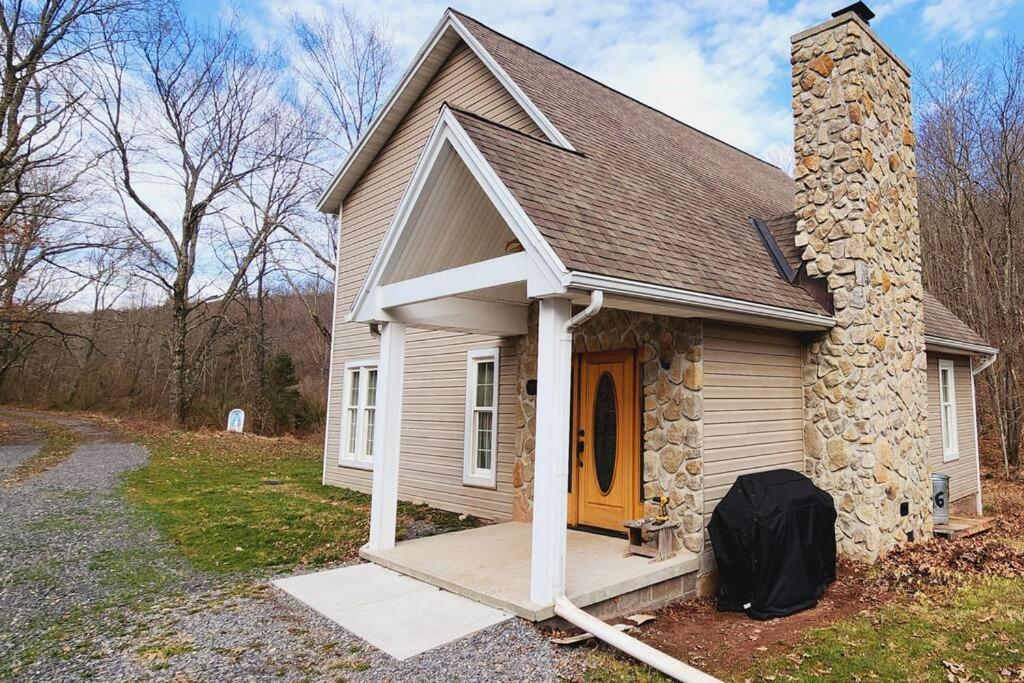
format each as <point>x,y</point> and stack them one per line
<point>606,437</point>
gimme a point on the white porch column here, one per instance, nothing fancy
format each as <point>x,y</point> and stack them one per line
<point>551,469</point>
<point>387,437</point>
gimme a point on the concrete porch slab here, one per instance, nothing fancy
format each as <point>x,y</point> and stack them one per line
<point>491,565</point>
<point>396,614</point>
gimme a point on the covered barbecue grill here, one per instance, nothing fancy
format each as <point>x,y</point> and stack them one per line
<point>774,539</point>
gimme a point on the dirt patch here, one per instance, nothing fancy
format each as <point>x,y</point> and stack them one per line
<point>17,432</point>
<point>725,642</point>
<point>696,632</point>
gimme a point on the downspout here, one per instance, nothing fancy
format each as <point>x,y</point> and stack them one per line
<point>564,608</point>
<point>975,371</point>
<point>988,361</point>
<point>592,309</point>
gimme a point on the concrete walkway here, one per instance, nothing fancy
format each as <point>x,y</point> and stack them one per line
<point>400,615</point>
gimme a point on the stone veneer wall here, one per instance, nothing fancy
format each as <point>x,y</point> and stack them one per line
<point>672,379</point>
<point>865,405</point>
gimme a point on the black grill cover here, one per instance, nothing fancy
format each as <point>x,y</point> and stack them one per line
<point>774,540</point>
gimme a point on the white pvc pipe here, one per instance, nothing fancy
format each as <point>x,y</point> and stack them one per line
<point>670,666</point>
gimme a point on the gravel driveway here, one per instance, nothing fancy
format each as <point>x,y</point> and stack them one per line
<point>88,590</point>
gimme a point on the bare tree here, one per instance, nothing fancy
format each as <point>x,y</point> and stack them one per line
<point>184,108</point>
<point>43,156</point>
<point>971,168</point>
<point>346,62</point>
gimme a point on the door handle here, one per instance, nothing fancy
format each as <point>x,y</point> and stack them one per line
<point>580,446</point>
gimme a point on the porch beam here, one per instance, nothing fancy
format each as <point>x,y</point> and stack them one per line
<point>465,315</point>
<point>551,468</point>
<point>386,437</point>
<point>495,272</point>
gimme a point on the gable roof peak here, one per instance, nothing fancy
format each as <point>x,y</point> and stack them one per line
<point>448,33</point>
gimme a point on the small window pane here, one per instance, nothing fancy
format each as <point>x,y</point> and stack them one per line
<point>353,421</point>
<point>485,384</point>
<point>353,388</point>
<point>371,388</point>
<point>484,427</point>
<point>945,386</point>
<point>370,413</point>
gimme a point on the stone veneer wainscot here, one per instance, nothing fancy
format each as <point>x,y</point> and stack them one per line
<point>672,378</point>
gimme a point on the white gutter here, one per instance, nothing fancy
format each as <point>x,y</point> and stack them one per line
<point>641,290</point>
<point>951,344</point>
<point>670,666</point>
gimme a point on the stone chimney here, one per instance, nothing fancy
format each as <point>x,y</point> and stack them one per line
<point>865,406</point>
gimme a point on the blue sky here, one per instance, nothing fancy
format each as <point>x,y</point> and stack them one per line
<point>720,65</point>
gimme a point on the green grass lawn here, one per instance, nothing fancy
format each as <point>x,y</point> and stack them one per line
<point>976,634</point>
<point>234,503</point>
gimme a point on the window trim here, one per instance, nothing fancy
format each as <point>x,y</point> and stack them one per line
<point>951,450</point>
<point>359,460</point>
<point>470,476</point>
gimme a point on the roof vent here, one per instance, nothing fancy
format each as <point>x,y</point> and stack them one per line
<point>858,8</point>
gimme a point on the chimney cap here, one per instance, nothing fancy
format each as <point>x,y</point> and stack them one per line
<point>858,8</point>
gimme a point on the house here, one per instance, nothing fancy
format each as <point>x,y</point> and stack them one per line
<point>554,303</point>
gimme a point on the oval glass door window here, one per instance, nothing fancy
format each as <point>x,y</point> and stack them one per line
<point>605,432</point>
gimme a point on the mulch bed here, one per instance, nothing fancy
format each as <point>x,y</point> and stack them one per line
<point>728,642</point>
<point>698,633</point>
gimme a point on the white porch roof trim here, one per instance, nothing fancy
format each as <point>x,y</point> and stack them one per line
<point>538,265</point>
<point>428,60</point>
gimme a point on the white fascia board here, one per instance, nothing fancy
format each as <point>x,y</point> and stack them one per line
<point>544,266</point>
<point>495,272</point>
<point>448,22</point>
<point>957,347</point>
<point>652,292</point>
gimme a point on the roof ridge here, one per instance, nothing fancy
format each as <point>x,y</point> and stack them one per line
<point>531,138</point>
<point>617,92</point>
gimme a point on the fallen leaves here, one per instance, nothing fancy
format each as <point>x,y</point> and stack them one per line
<point>918,567</point>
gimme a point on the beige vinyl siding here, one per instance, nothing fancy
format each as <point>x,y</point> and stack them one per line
<point>753,416</point>
<point>433,418</point>
<point>963,471</point>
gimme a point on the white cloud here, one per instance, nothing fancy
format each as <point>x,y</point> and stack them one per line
<point>722,67</point>
<point>965,19</point>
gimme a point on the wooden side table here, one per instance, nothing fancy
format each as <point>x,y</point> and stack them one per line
<point>651,539</point>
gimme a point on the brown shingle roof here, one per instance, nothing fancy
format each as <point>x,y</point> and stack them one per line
<point>941,322</point>
<point>648,198</point>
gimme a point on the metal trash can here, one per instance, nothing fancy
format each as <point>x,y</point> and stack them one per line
<point>940,497</point>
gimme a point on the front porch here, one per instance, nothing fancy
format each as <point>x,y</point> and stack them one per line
<point>491,565</point>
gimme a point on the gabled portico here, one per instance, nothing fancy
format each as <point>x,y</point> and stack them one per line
<point>462,255</point>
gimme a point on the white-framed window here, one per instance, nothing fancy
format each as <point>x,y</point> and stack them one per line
<point>481,452</point>
<point>947,411</point>
<point>358,413</point>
